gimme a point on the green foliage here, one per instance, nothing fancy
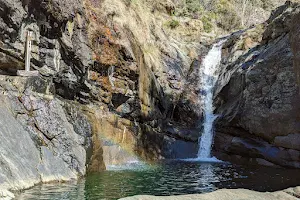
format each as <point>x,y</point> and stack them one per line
<point>226,16</point>
<point>190,8</point>
<point>173,24</point>
<point>211,12</point>
<point>132,2</point>
<point>207,24</point>
<point>267,4</point>
<point>194,6</point>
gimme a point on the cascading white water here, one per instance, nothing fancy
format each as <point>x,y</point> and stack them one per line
<point>209,78</point>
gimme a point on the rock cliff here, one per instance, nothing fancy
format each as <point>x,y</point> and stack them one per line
<point>258,93</point>
<point>43,138</point>
<point>104,82</point>
<point>125,73</point>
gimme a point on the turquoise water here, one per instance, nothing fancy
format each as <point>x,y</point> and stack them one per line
<point>168,178</point>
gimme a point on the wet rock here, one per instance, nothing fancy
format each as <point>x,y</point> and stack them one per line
<point>255,151</point>
<point>114,155</point>
<point>81,125</point>
<point>95,163</point>
<point>164,146</point>
<point>111,127</point>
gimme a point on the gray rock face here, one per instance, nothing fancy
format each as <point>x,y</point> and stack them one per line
<point>43,139</point>
<point>60,133</point>
<point>90,57</point>
<point>51,123</point>
<point>60,43</point>
<point>225,194</point>
<point>259,97</point>
<point>19,155</point>
<point>52,164</point>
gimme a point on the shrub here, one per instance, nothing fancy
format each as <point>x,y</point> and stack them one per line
<point>226,16</point>
<point>173,24</point>
<point>207,25</point>
<point>190,8</point>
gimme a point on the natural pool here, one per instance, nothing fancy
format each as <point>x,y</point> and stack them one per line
<point>167,178</point>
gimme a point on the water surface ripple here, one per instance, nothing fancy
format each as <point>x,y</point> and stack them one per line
<point>168,178</point>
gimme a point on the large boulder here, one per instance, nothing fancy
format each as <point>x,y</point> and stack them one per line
<point>43,139</point>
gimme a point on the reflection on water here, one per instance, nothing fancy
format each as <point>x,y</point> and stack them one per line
<point>208,177</point>
<point>170,178</point>
<point>55,191</point>
<point>133,165</point>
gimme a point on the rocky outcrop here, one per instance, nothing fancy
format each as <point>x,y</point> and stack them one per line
<point>103,84</point>
<point>60,44</point>
<point>139,77</point>
<point>46,109</point>
<point>43,138</point>
<point>258,102</point>
<point>106,82</point>
<point>225,194</point>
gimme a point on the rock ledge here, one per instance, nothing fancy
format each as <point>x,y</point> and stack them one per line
<point>230,194</point>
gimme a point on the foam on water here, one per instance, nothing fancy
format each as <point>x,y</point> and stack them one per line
<point>204,160</point>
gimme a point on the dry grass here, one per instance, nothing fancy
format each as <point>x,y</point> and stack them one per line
<point>146,20</point>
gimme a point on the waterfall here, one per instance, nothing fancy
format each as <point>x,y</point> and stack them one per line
<point>209,76</point>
